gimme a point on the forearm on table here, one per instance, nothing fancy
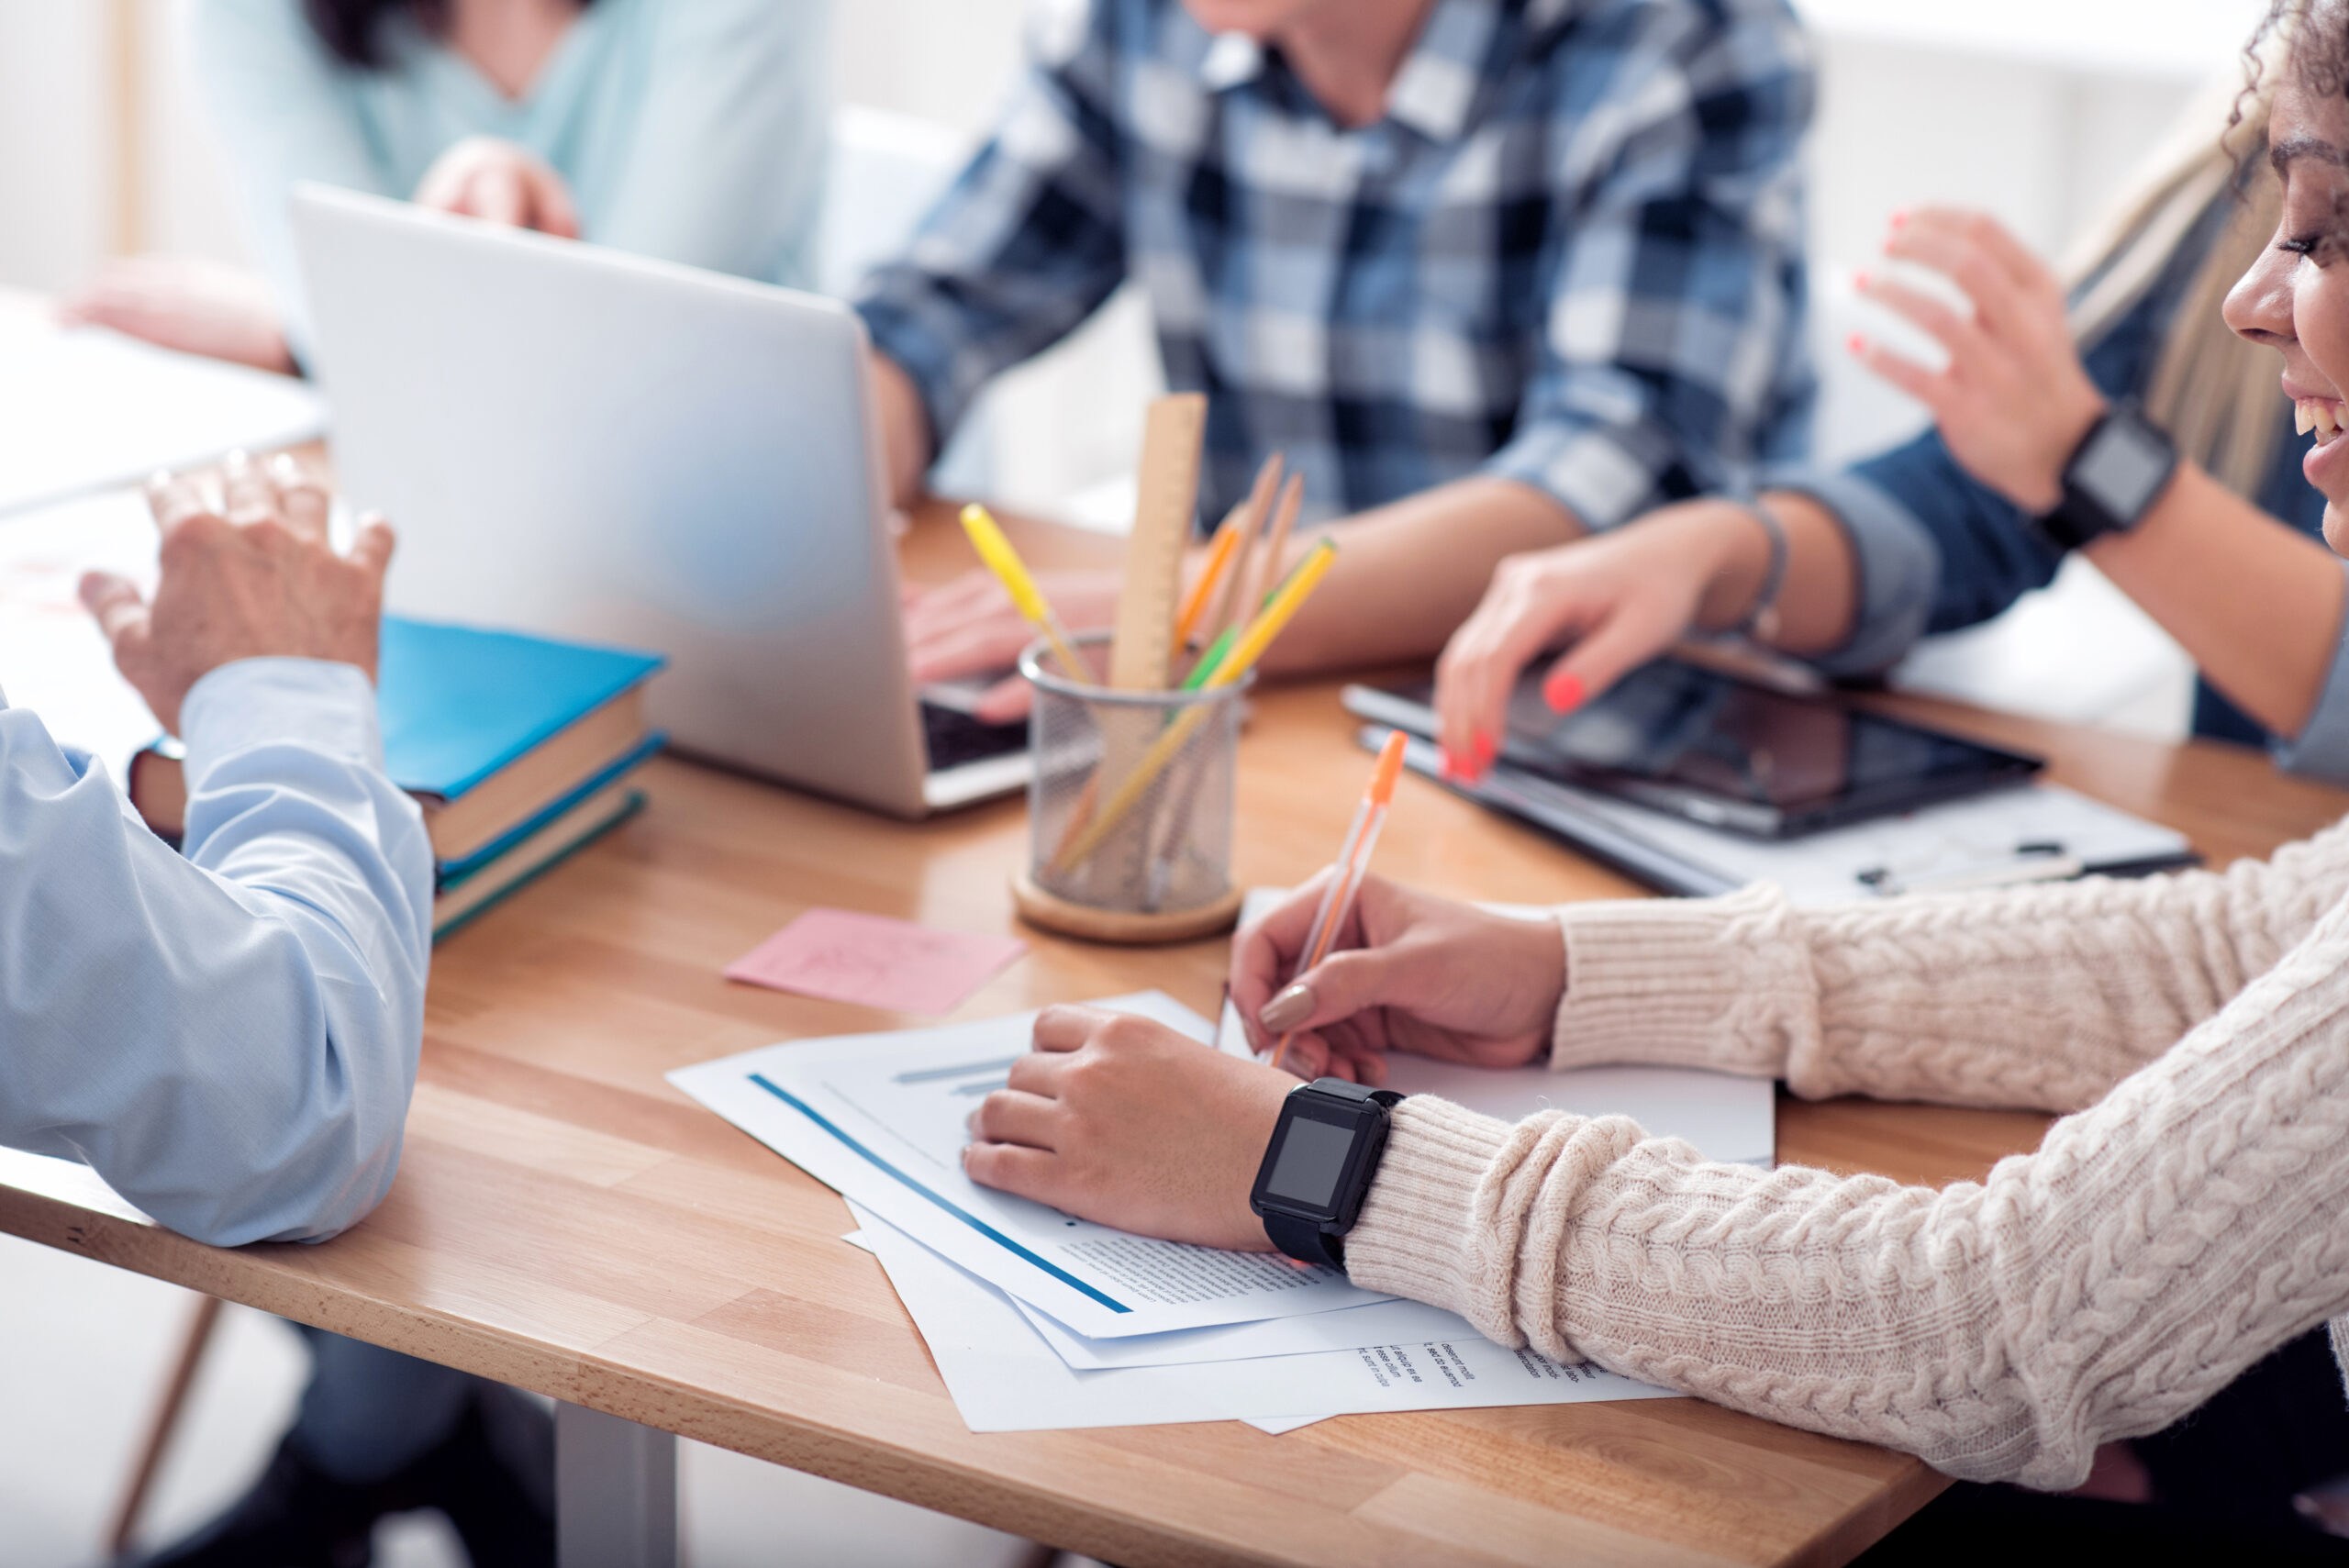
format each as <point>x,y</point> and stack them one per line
<point>229,1040</point>
<point>903,424</point>
<point>2039,998</point>
<point>2153,1248</point>
<point>1819,594</point>
<point>1408,573</point>
<point>2258,605</point>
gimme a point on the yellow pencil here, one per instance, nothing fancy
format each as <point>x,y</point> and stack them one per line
<point>1236,664</point>
<point>986,537</point>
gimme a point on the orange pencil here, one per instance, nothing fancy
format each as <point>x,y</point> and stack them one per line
<point>1354,864</point>
<point>1219,554</point>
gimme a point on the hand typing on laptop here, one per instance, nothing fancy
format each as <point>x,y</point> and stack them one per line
<point>970,627</point>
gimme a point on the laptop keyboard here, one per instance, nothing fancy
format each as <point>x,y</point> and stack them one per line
<point>954,738</point>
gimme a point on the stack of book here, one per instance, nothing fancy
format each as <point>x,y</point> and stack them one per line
<point>519,749</point>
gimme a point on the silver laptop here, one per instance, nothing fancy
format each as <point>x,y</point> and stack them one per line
<point>592,445</point>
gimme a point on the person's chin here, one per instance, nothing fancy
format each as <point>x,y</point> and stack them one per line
<point>2326,466</point>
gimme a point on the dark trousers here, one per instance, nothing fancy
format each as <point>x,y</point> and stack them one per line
<point>2223,1481</point>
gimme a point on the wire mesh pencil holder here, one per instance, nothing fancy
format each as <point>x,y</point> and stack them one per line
<point>1129,809</point>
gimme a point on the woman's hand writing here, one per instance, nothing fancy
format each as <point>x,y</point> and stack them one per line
<point>1407,972</point>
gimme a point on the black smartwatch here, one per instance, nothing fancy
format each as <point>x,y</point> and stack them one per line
<point>2115,476</point>
<point>1324,1150</point>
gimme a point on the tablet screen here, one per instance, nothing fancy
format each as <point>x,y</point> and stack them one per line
<point>1735,754</point>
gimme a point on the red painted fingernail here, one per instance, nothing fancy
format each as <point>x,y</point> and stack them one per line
<point>1899,216</point>
<point>1563,692</point>
<point>1446,769</point>
<point>1860,280</point>
<point>1483,750</point>
<point>1856,344</point>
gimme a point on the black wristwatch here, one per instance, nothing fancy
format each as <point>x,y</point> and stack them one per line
<point>2115,476</point>
<point>1324,1150</point>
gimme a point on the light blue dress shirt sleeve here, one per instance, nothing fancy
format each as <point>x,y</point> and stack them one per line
<point>230,1037</point>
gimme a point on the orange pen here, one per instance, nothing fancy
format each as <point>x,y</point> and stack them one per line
<point>1354,864</point>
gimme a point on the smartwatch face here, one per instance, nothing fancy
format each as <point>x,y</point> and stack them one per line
<point>2122,468</point>
<point>1307,1169</point>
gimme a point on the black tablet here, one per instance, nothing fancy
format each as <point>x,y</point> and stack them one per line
<point>1726,753</point>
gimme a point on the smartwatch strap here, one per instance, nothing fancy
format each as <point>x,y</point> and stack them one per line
<point>1305,1240</point>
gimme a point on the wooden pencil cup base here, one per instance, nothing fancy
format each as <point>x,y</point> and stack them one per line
<point>1051,913</point>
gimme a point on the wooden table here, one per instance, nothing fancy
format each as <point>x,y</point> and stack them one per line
<point>567,1221</point>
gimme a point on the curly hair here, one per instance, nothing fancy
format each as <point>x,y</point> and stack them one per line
<point>353,29</point>
<point>2317,34</point>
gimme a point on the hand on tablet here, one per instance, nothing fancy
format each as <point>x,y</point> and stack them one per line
<point>2014,399</point>
<point>970,626</point>
<point>1409,971</point>
<point>1122,1121</point>
<point>498,181</point>
<point>1619,599</point>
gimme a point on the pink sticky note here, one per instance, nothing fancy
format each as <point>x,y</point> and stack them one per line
<point>874,960</point>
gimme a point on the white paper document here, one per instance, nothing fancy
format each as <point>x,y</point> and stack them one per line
<point>1272,1425</point>
<point>85,409</point>
<point>1004,1378</point>
<point>880,1119</point>
<point>53,661</point>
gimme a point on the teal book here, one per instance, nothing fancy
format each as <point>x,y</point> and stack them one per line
<point>495,733</point>
<point>459,704</point>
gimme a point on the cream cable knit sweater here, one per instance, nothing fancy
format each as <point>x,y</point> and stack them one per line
<point>2192,1217</point>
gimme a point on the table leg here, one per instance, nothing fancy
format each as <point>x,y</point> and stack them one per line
<point>614,1492</point>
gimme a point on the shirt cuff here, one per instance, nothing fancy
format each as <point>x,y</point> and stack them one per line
<point>1417,1225</point>
<point>906,327</point>
<point>1606,476</point>
<point>1898,564</point>
<point>2321,749</point>
<point>327,706</point>
<point>1714,982</point>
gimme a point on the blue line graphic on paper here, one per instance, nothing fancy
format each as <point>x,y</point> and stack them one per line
<point>965,1215</point>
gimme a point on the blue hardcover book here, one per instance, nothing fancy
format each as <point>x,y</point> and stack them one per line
<point>459,704</point>
<point>495,733</point>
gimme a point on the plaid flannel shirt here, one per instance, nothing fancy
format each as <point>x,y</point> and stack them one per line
<point>1569,254</point>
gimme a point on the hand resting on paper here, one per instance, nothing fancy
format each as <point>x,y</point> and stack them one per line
<point>1122,1121</point>
<point>1407,972</point>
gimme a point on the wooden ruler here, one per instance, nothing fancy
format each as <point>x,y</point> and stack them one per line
<point>1142,653</point>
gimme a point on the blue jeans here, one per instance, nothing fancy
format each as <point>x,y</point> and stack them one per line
<point>368,1412</point>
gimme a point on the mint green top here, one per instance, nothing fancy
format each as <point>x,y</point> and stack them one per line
<point>694,131</point>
